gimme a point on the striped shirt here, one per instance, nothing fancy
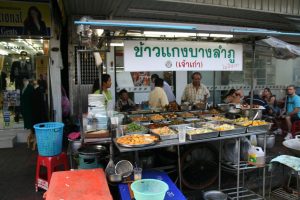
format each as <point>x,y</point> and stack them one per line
<point>190,94</point>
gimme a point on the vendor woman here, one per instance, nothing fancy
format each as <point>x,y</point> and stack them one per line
<point>124,102</point>
<point>105,85</point>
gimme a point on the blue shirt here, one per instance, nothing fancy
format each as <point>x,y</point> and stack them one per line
<point>292,103</point>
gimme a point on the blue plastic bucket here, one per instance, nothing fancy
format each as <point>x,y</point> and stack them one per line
<point>49,138</point>
<point>149,189</point>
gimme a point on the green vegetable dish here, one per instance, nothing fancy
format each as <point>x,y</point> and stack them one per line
<point>133,127</point>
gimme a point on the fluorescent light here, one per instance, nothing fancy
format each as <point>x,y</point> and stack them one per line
<point>115,44</point>
<point>154,25</point>
<point>221,35</point>
<point>172,34</point>
<point>2,52</point>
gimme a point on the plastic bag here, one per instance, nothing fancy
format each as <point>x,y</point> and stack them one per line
<point>230,150</point>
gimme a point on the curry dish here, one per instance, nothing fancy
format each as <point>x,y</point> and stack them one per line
<point>136,139</point>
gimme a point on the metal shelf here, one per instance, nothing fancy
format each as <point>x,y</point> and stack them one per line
<point>244,194</point>
<point>243,165</point>
<point>281,194</point>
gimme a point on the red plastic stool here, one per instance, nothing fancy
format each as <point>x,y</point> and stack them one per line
<point>295,128</point>
<point>51,163</point>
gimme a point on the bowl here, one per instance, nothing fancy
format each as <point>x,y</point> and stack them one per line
<point>149,189</point>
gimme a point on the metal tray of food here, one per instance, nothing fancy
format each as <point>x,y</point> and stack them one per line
<point>138,118</point>
<point>130,129</point>
<point>199,136</point>
<point>128,145</point>
<point>186,115</point>
<point>236,131</point>
<point>156,117</point>
<point>170,115</point>
<point>177,122</point>
<point>215,125</point>
<point>170,136</point>
<point>175,127</point>
<point>264,127</point>
<point>194,120</point>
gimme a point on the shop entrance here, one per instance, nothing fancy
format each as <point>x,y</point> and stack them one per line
<point>23,68</point>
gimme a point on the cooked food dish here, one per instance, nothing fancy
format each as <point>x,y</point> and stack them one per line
<point>199,131</point>
<point>133,127</point>
<point>156,117</point>
<point>136,139</point>
<point>139,118</point>
<point>252,123</point>
<point>187,114</point>
<point>163,131</point>
<point>170,115</point>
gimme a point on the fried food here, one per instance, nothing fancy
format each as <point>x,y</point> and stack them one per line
<point>156,117</point>
<point>136,139</point>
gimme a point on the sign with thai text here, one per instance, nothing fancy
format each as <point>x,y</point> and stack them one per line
<point>182,56</point>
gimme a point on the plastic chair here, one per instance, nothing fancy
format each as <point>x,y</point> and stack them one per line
<point>295,128</point>
<point>51,164</point>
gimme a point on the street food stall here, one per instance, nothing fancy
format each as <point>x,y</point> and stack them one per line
<point>148,129</point>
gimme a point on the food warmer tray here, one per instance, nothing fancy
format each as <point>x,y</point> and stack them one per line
<point>264,127</point>
<point>212,134</point>
<point>237,130</point>
<point>166,137</point>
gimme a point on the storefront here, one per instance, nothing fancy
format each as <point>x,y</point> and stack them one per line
<point>24,62</point>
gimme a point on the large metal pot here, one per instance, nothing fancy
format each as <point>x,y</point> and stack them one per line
<point>293,145</point>
<point>270,141</point>
<point>214,195</point>
<point>247,113</point>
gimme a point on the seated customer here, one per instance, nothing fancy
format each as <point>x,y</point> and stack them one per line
<point>158,97</point>
<point>293,109</point>
<point>271,100</point>
<point>232,97</point>
<point>124,102</point>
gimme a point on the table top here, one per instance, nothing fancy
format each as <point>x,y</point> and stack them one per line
<point>79,184</point>
<point>173,142</point>
<point>172,194</point>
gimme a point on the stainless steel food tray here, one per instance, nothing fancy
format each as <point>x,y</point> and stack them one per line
<point>212,134</point>
<point>237,130</point>
<point>166,137</point>
<point>265,127</point>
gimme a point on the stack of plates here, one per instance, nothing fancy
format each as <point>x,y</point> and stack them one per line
<point>96,100</point>
<point>97,109</point>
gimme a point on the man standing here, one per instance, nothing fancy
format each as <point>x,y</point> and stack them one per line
<point>293,109</point>
<point>158,97</point>
<point>166,87</point>
<point>195,91</point>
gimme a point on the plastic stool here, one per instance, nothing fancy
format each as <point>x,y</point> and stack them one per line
<point>51,163</point>
<point>295,128</point>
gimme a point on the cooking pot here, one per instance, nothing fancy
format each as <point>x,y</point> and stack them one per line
<point>293,145</point>
<point>270,141</point>
<point>92,150</point>
<point>75,145</point>
<point>214,195</point>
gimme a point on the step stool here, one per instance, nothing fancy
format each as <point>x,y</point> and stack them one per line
<point>295,128</point>
<point>50,163</point>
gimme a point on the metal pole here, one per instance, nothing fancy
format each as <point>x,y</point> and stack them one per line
<point>264,170</point>
<point>238,169</point>
<point>214,89</point>
<point>252,77</point>
<point>179,167</point>
<point>220,162</point>
<point>79,94</point>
